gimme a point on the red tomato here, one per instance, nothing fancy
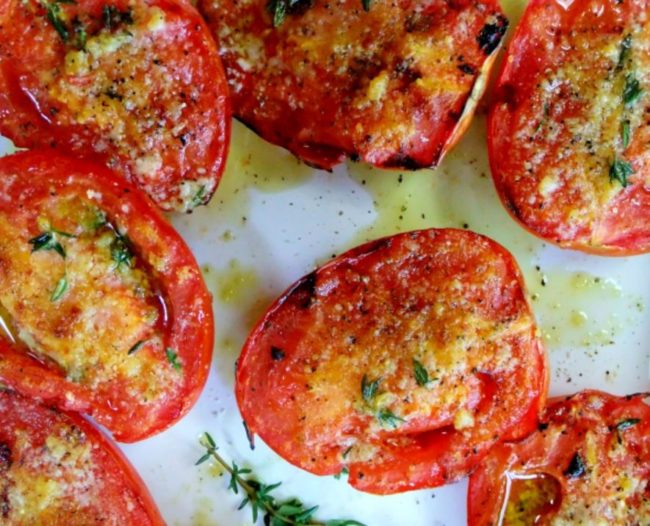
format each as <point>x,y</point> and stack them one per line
<point>568,131</point>
<point>588,463</point>
<point>136,84</point>
<point>105,300</point>
<point>395,84</point>
<point>403,360</point>
<point>57,469</point>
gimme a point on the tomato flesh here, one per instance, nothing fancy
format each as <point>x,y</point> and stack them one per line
<point>104,300</point>
<point>135,84</point>
<point>589,460</point>
<point>402,360</point>
<point>567,130</point>
<point>57,469</point>
<point>394,85</point>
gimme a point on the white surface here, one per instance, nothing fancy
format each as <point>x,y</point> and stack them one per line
<point>592,311</point>
<point>288,232</point>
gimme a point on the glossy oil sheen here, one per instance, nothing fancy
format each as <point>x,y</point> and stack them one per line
<point>531,500</point>
<point>273,220</point>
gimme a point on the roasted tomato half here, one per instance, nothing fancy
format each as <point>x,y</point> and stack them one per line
<point>105,302</point>
<point>392,83</point>
<point>588,463</point>
<point>403,360</point>
<point>136,84</point>
<point>57,469</point>
<point>568,131</point>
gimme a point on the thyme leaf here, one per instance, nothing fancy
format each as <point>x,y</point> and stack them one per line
<point>53,11</point>
<point>55,17</point>
<point>48,241</point>
<point>113,17</point>
<point>626,46</point>
<point>627,424</point>
<point>620,170</point>
<point>389,419</point>
<point>136,347</point>
<point>625,133</point>
<point>60,289</point>
<point>421,374</point>
<point>121,252</point>
<point>199,197</point>
<point>369,389</point>
<point>632,90</point>
<point>278,9</point>
<point>80,33</point>
<point>172,358</point>
<point>258,496</point>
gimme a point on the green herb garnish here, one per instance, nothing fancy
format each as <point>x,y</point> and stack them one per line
<point>389,419</point>
<point>199,197</point>
<point>54,16</point>
<point>60,289</point>
<point>99,220</point>
<point>369,389</point>
<point>136,347</point>
<point>626,46</point>
<point>113,17</point>
<point>619,171</point>
<point>120,251</point>
<point>421,374</point>
<point>290,512</point>
<point>625,133</point>
<point>366,4</point>
<point>49,241</point>
<point>53,11</point>
<point>172,358</point>
<point>80,34</point>
<point>632,90</point>
<point>627,424</point>
<point>341,473</point>
<point>278,9</point>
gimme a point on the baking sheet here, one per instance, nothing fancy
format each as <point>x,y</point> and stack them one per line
<point>273,220</point>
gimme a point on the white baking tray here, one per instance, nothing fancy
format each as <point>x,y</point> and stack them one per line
<point>273,220</point>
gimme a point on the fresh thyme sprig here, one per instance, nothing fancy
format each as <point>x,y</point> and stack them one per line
<point>290,512</point>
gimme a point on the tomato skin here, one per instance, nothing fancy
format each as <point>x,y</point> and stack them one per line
<point>394,86</point>
<point>184,324</point>
<point>369,316</point>
<point>555,129</point>
<point>146,96</point>
<point>25,421</point>
<point>608,434</point>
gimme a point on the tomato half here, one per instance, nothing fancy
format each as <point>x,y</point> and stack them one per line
<point>105,301</point>
<point>57,469</point>
<point>403,360</point>
<point>568,131</point>
<point>135,84</point>
<point>394,84</point>
<point>588,463</point>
